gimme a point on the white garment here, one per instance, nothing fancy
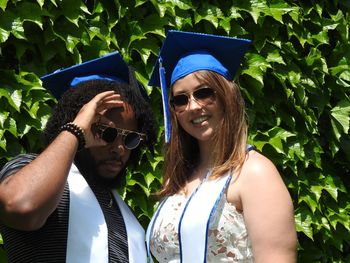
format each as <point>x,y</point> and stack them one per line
<point>87,229</point>
<point>227,237</point>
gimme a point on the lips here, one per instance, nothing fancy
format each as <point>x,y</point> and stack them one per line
<point>113,166</point>
<point>200,120</point>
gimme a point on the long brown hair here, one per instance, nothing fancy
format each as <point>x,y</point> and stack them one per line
<point>182,152</point>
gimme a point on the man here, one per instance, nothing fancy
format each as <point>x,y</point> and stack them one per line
<point>60,206</point>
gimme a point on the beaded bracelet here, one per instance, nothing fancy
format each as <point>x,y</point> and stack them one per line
<point>77,131</point>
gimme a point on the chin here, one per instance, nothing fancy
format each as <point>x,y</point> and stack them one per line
<point>108,175</point>
<point>109,182</point>
<point>111,179</point>
<point>204,137</point>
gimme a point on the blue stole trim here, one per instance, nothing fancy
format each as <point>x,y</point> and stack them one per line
<point>150,230</point>
<point>211,214</point>
<point>183,213</point>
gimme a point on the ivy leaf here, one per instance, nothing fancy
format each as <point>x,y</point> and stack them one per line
<point>149,179</point>
<point>12,127</point>
<point>303,222</point>
<point>31,12</point>
<point>330,187</point>
<point>277,135</point>
<point>183,5</point>
<point>163,6</point>
<point>3,140</point>
<point>309,198</point>
<point>71,10</point>
<point>234,13</point>
<point>209,13</point>
<point>182,22</point>
<point>14,97</point>
<point>12,24</point>
<point>257,66</point>
<point>336,217</point>
<point>144,48</point>
<point>317,190</point>
<point>340,118</point>
<point>41,2</point>
<point>257,7</point>
<point>275,56</point>
<point>278,9</point>
<point>3,4</point>
<point>3,117</point>
<point>4,34</point>
<point>139,2</point>
<point>138,33</point>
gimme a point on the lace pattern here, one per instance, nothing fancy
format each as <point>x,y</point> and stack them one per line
<point>228,239</point>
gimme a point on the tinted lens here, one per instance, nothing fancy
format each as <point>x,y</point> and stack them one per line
<point>204,93</point>
<point>179,100</point>
<point>109,135</point>
<point>132,140</point>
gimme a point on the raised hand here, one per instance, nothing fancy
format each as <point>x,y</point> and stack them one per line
<point>93,112</point>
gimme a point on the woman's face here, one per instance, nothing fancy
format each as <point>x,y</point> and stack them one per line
<point>201,116</point>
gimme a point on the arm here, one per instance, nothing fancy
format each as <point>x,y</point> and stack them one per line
<point>31,194</point>
<point>268,211</point>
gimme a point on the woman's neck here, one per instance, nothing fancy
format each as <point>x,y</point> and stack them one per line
<point>206,158</point>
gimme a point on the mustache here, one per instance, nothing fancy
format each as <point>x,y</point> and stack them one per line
<point>114,158</point>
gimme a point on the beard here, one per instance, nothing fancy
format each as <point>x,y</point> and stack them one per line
<point>87,165</point>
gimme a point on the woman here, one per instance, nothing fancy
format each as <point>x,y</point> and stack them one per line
<point>224,201</point>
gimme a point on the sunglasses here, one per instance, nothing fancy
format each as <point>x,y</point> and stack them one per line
<point>131,139</point>
<point>203,96</point>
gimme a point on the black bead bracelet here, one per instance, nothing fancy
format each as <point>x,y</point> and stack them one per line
<point>77,131</point>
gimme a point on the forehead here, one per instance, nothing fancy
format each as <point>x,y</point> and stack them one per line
<point>186,84</point>
<point>122,117</point>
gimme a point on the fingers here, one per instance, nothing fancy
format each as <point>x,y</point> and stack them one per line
<point>92,112</point>
<point>106,100</point>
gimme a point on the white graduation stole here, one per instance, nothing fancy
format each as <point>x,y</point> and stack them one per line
<point>135,232</point>
<point>87,229</point>
<point>195,219</point>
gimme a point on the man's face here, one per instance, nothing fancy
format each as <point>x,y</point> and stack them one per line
<point>111,158</point>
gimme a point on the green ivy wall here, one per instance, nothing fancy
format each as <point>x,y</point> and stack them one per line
<point>295,79</point>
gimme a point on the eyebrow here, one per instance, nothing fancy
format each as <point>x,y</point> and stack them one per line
<point>199,86</point>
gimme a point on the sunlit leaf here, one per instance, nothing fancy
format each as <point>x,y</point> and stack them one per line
<point>209,13</point>
<point>3,4</point>
<point>303,223</point>
<point>341,114</point>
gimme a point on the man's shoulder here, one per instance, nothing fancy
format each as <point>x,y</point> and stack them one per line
<point>16,163</point>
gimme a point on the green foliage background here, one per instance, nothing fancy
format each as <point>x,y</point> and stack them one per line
<point>295,80</point>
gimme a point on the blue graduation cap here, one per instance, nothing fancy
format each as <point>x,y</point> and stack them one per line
<point>110,67</point>
<point>183,53</point>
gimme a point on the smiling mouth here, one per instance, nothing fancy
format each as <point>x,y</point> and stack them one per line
<point>199,120</point>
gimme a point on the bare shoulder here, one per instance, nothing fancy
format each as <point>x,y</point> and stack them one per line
<point>266,202</point>
<point>257,179</point>
<point>259,167</point>
<point>259,176</point>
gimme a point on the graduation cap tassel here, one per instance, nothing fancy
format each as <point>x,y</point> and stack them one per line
<point>167,127</point>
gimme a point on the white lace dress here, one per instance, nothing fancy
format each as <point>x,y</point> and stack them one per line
<point>228,240</point>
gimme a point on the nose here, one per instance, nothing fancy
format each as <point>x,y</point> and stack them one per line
<point>118,146</point>
<point>193,103</point>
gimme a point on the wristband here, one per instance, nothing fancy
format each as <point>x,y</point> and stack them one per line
<point>76,131</point>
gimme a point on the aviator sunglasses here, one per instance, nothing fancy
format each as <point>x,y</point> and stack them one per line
<point>203,96</point>
<point>131,139</point>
